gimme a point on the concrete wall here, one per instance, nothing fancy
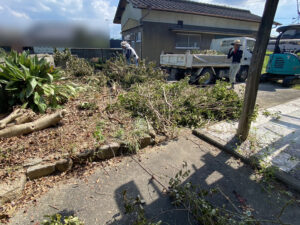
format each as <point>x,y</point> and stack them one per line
<point>197,20</point>
<point>104,53</point>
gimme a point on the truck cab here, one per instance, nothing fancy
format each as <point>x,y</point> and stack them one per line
<point>223,45</point>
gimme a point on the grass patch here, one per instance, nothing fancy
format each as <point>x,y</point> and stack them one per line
<point>297,87</point>
<point>264,69</point>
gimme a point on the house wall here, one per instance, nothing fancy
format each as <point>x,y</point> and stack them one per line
<point>197,20</point>
<point>130,13</point>
<point>157,37</point>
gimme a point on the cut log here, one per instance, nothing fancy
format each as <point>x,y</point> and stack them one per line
<point>23,119</point>
<point>40,124</point>
<point>11,117</point>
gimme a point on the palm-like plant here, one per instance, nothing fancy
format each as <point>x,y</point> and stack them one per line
<point>32,82</point>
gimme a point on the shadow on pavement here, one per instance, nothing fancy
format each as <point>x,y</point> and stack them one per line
<point>270,86</point>
<point>216,172</point>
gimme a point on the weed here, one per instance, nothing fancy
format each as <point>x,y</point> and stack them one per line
<point>98,134</point>
<point>119,134</point>
<point>275,115</point>
<point>133,137</point>
<point>87,106</point>
<point>134,206</point>
<point>58,219</point>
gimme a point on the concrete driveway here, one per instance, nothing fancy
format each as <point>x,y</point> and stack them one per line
<point>99,200</point>
<point>272,94</point>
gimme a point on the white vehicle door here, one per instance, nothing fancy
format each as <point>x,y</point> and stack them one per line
<point>248,49</point>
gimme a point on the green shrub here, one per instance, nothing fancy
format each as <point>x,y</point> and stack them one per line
<point>179,104</point>
<point>32,82</point>
<point>79,67</point>
<point>117,70</point>
<point>73,65</point>
<point>61,58</point>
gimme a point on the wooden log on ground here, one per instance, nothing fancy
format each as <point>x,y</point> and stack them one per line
<point>24,119</point>
<point>40,124</point>
<point>20,120</point>
<point>11,117</point>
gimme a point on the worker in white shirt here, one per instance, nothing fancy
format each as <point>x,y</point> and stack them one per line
<point>130,53</point>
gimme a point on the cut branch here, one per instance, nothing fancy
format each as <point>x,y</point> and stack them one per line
<point>40,124</point>
<point>11,117</point>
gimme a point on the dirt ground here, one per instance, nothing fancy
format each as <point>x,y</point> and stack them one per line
<point>79,135</point>
<point>74,134</point>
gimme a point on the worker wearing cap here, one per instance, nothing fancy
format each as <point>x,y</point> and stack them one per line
<point>236,55</point>
<point>129,53</point>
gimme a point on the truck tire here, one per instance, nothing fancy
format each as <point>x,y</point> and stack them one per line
<point>172,74</point>
<point>243,74</point>
<point>207,77</point>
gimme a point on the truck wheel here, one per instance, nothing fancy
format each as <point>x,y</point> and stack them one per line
<point>172,74</point>
<point>243,74</point>
<point>207,77</point>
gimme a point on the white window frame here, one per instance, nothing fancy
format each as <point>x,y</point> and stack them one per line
<point>139,36</point>
<point>188,48</point>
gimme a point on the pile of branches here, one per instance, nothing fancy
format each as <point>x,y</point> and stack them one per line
<point>207,52</point>
<point>118,71</point>
<point>73,65</point>
<point>179,104</point>
<point>21,121</point>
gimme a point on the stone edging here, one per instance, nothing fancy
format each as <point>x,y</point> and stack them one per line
<point>252,161</point>
<point>39,168</point>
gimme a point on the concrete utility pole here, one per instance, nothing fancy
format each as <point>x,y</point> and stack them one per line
<point>258,56</point>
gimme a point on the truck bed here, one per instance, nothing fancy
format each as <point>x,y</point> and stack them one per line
<point>194,60</point>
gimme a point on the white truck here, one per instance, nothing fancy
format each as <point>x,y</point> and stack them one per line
<point>206,68</point>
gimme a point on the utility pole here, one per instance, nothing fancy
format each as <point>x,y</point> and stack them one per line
<point>258,56</point>
<point>298,10</point>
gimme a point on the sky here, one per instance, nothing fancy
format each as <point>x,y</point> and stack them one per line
<point>100,13</point>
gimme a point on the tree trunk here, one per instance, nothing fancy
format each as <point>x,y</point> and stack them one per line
<point>40,124</point>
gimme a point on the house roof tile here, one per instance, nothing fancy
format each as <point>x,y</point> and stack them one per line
<point>191,8</point>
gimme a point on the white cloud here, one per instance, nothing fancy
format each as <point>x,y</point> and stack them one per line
<point>19,14</point>
<point>103,7</point>
<point>44,7</point>
<point>1,8</point>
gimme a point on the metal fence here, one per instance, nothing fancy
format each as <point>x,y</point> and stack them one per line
<point>102,53</point>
